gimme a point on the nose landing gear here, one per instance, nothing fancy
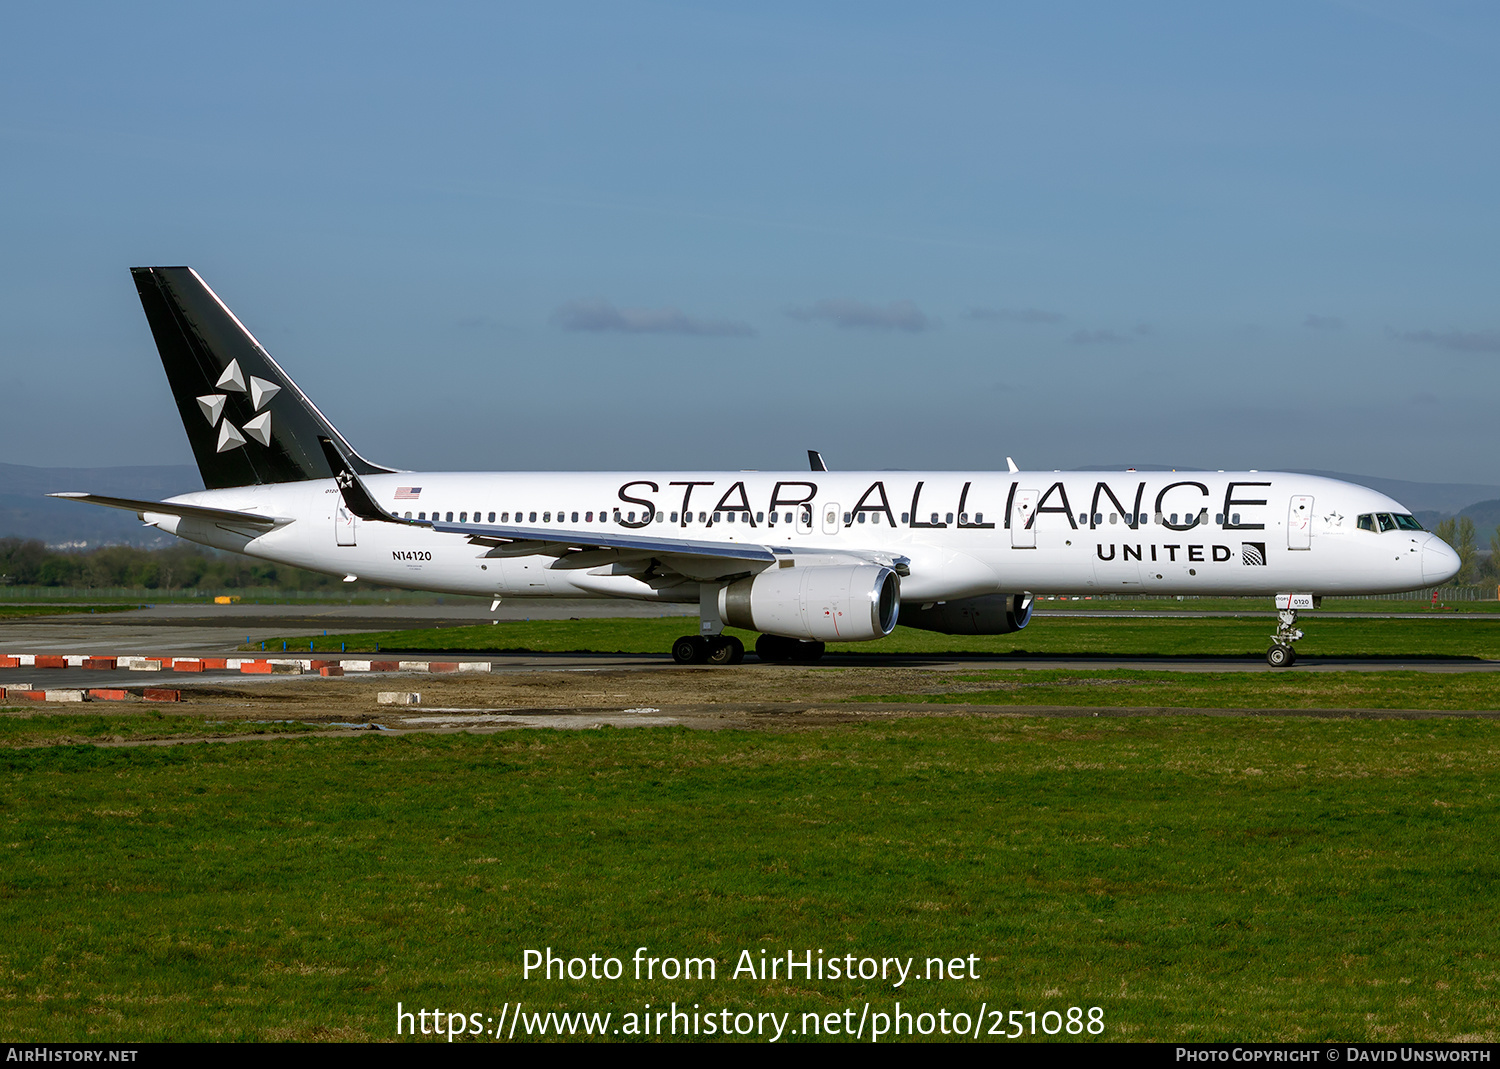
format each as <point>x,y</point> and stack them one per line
<point>1281,654</point>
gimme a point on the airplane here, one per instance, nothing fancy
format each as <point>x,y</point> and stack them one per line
<point>803,558</point>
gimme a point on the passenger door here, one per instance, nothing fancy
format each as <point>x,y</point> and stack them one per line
<point>1023,519</point>
<point>343,526</point>
<point>1299,522</point>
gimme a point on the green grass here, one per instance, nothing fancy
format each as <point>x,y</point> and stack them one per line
<point>1129,688</point>
<point>11,611</point>
<point>1197,878</point>
<point>1440,636</point>
<point>26,727</point>
<point>1259,604</point>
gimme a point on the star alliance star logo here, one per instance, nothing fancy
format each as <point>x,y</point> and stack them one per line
<point>258,427</point>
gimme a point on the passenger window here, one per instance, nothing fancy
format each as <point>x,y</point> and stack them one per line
<point>546,517</point>
<point>861,517</point>
<point>1174,517</point>
<point>421,515</point>
<point>702,517</point>
<point>1098,518</point>
<point>492,518</point>
<point>906,517</point>
<point>674,517</point>
<point>745,516</point>
<point>718,517</point>
<point>1234,518</point>
<point>533,518</point>
<point>588,517</point>
<point>759,517</point>
<point>1083,517</point>
<point>979,517</point>
<point>934,517</point>
<point>575,518</point>
<point>408,516</point>
<point>848,519</point>
<point>1114,517</point>
<point>950,517</point>
<point>729,517</point>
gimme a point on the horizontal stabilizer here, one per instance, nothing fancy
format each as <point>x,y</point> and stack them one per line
<point>168,508</point>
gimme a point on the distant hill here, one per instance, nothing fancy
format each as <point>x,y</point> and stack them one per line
<point>26,511</point>
<point>1425,500</point>
<point>1486,517</point>
<point>1446,498</point>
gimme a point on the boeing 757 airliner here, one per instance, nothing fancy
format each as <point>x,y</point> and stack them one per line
<point>804,558</point>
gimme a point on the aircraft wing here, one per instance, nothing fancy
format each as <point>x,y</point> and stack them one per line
<point>168,508</point>
<point>563,540</point>
<point>587,548</point>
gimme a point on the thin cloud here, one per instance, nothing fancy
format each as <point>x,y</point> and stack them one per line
<point>1028,316</point>
<point>600,316</point>
<point>1317,322</point>
<point>1459,341</point>
<point>898,315</point>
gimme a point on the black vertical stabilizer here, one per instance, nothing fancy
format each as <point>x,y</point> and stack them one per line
<point>247,421</point>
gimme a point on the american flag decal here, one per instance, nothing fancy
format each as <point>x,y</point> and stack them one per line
<point>408,493</point>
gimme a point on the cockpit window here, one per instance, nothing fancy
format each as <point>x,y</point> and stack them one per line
<point>1408,523</point>
<point>1387,521</point>
<point>1367,522</point>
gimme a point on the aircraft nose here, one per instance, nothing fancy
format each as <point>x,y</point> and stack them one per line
<point>1439,562</point>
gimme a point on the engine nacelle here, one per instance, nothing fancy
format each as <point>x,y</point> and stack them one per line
<point>990,614</point>
<point>833,603</point>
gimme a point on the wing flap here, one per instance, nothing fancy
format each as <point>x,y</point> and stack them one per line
<point>596,539</point>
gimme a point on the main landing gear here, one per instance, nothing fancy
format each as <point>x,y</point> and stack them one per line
<point>708,649</point>
<point>1281,654</point>
<point>726,649</point>
<point>712,646</point>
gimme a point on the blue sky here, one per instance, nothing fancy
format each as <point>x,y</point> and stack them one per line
<point>713,236</point>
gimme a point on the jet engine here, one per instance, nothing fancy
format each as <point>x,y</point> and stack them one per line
<point>990,614</point>
<point>820,603</point>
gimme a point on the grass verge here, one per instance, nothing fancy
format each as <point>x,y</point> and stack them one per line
<point>1130,688</point>
<point>1196,878</point>
<point>27,727</point>
<point>1442,636</point>
<point>8,612</point>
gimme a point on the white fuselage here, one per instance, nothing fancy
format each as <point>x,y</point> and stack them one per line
<point>963,534</point>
